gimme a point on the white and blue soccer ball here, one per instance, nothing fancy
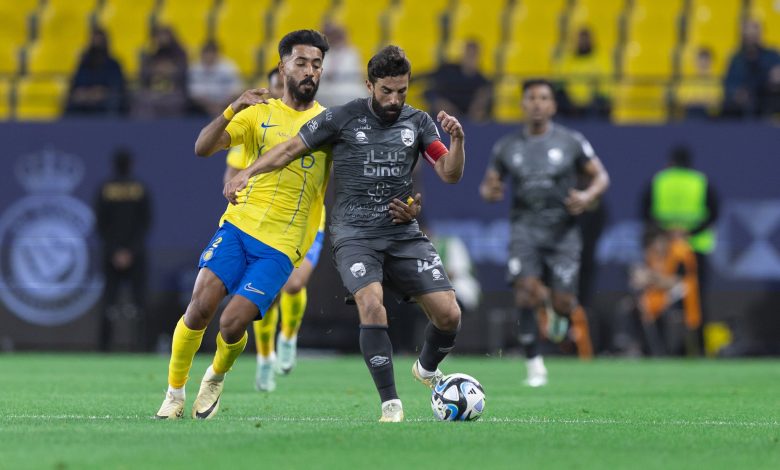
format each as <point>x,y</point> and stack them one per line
<point>458,397</point>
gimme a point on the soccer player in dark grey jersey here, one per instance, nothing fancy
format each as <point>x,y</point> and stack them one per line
<point>542,161</point>
<point>376,143</point>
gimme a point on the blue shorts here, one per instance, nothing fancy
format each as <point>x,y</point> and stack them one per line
<point>246,266</point>
<point>313,255</point>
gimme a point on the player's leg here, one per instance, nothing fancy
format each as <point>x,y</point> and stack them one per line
<point>292,306</point>
<point>443,311</point>
<point>563,263</point>
<point>361,271</point>
<point>529,296</point>
<point>266,273</point>
<point>265,332</point>
<point>221,266</point>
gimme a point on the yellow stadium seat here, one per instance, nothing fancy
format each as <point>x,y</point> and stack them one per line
<point>240,31</point>
<point>507,97</point>
<point>720,60</point>
<point>361,24</point>
<point>585,76</point>
<point>52,58</point>
<point>714,24</point>
<point>531,60</point>
<point>189,20</point>
<point>467,22</point>
<point>639,103</point>
<point>654,24</point>
<point>291,15</point>
<point>767,12</point>
<point>65,28</point>
<point>706,94</point>
<point>5,99</point>
<point>602,18</point>
<point>645,60</point>
<point>127,24</point>
<point>416,27</point>
<point>81,6</point>
<point>9,59</point>
<point>14,23</point>
<point>535,22</point>
<point>40,99</point>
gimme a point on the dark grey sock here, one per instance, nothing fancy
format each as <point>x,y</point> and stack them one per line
<point>529,332</point>
<point>437,345</point>
<point>378,354</point>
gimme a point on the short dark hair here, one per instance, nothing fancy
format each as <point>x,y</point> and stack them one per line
<point>305,37</point>
<point>681,156</point>
<point>530,83</point>
<point>391,61</point>
<point>123,161</point>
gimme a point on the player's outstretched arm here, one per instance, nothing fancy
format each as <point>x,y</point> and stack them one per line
<point>492,188</point>
<point>450,166</point>
<point>279,156</point>
<point>213,137</point>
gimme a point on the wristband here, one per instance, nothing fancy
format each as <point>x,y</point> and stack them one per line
<point>228,113</point>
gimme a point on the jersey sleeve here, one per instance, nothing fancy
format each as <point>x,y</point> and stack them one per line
<point>431,146</point>
<point>241,126</point>
<point>584,151</point>
<point>323,128</point>
<point>236,158</point>
<point>496,162</point>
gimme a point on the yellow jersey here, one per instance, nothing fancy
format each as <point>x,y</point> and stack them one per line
<point>282,209</point>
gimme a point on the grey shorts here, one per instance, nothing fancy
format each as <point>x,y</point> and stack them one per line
<point>551,256</point>
<point>413,266</point>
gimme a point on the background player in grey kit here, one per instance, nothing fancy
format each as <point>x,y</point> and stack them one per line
<point>376,142</point>
<point>542,161</point>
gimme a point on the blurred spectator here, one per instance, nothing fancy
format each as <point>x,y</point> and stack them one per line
<point>668,294</point>
<point>98,86</point>
<point>587,70</point>
<point>748,73</point>
<point>682,201</point>
<point>457,263</point>
<point>770,101</point>
<point>275,84</point>
<point>163,84</point>
<point>214,81</point>
<point>700,96</point>
<point>123,220</point>
<point>342,75</point>
<point>461,89</point>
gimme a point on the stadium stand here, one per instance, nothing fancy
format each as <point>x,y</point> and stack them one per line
<point>127,23</point>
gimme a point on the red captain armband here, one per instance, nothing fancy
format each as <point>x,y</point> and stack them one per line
<point>435,151</point>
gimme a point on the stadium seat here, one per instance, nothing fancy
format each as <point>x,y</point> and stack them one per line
<point>240,29</point>
<point>416,27</point>
<point>79,6</point>
<point>64,28</point>
<point>714,24</point>
<point>127,23</point>
<point>14,22</point>
<point>642,59</point>
<point>528,60</point>
<point>767,12</point>
<point>640,103</point>
<point>5,99</point>
<point>290,15</point>
<point>652,35</point>
<point>720,61</point>
<point>189,20</point>
<point>9,59</point>
<point>361,24</point>
<point>602,18</point>
<point>50,58</point>
<point>690,92</point>
<point>467,22</point>
<point>507,95</point>
<point>40,99</point>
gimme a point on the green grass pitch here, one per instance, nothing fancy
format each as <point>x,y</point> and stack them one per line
<point>90,411</point>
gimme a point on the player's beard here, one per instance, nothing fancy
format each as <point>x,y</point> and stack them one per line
<point>300,94</point>
<point>384,113</point>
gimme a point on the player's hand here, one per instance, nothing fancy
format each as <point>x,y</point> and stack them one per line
<point>250,98</point>
<point>577,202</point>
<point>492,189</point>
<point>450,125</point>
<point>236,184</point>
<point>405,212</point>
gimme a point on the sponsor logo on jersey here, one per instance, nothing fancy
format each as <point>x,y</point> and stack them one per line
<point>382,163</point>
<point>360,136</point>
<point>358,270</point>
<point>425,265</point>
<point>407,137</point>
<point>555,155</point>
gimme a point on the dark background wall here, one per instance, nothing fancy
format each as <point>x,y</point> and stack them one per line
<point>741,160</point>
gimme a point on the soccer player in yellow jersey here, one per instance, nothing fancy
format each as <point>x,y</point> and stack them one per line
<point>266,234</point>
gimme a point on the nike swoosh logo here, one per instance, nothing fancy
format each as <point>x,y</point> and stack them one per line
<point>268,126</point>
<point>252,289</point>
<point>206,413</point>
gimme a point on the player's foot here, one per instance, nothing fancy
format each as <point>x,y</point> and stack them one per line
<point>264,377</point>
<point>173,405</point>
<point>392,411</point>
<point>537,373</point>
<point>207,402</point>
<point>427,378</point>
<point>557,325</point>
<point>286,350</point>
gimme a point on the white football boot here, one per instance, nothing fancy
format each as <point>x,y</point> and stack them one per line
<point>429,379</point>
<point>173,405</point>
<point>286,349</point>
<point>207,402</point>
<point>265,381</point>
<point>392,411</point>
<point>537,373</point>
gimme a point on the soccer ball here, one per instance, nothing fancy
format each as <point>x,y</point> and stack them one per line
<point>458,397</point>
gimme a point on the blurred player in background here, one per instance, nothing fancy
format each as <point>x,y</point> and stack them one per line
<point>376,142</point>
<point>260,240</point>
<point>542,161</point>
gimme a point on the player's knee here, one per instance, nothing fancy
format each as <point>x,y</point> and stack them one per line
<point>199,313</point>
<point>371,309</point>
<point>563,303</point>
<point>449,319</point>
<point>230,325</point>
<point>294,286</point>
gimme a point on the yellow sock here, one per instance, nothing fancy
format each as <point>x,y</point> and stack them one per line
<point>265,331</point>
<point>292,307</point>
<point>227,353</point>
<point>185,344</point>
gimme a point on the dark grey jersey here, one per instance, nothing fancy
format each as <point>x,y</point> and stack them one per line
<point>542,170</point>
<point>372,165</point>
